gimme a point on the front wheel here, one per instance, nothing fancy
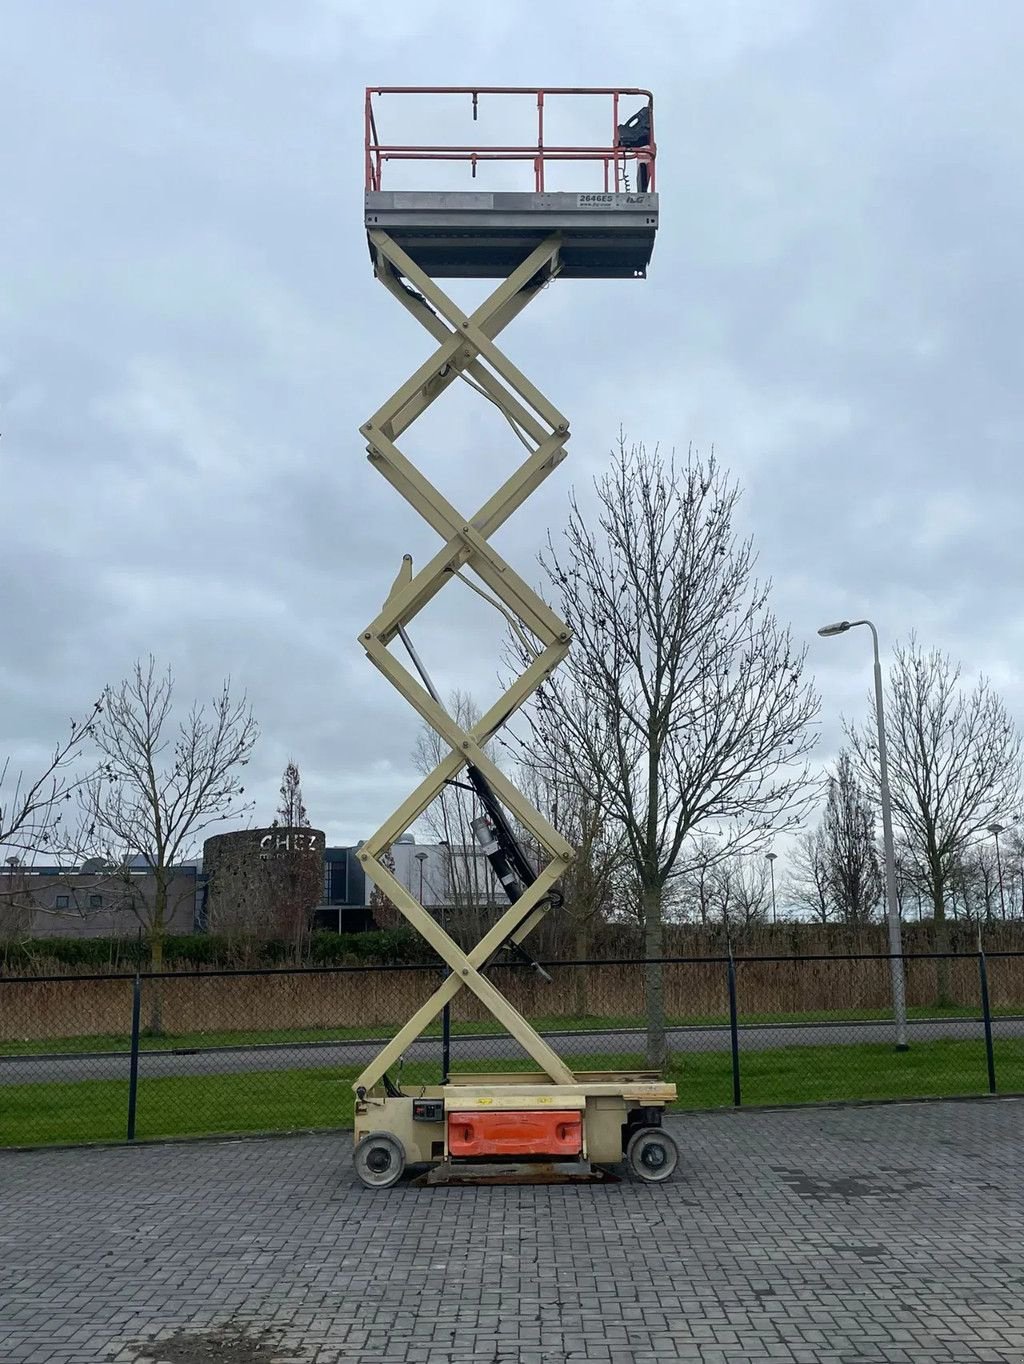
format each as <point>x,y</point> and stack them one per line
<point>652,1154</point>
<point>379,1160</point>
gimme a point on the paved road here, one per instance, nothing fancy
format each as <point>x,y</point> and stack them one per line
<point>889,1235</point>
<point>25,1070</point>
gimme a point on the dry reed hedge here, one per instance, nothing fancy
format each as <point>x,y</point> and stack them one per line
<point>612,941</point>
<point>79,1006</point>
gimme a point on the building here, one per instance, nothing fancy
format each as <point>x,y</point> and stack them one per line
<point>344,905</point>
<point>62,902</point>
<point>231,888</point>
<point>244,882</point>
<point>262,882</point>
<point>445,874</point>
<point>432,872</point>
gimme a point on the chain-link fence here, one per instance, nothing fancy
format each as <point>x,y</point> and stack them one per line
<point>116,1057</point>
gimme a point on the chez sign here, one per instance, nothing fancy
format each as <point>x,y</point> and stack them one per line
<point>292,840</point>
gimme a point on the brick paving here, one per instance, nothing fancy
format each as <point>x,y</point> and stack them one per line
<point>845,1236</point>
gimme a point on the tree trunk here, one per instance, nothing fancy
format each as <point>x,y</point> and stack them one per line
<point>299,921</point>
<point>653,978</point>
<point>157,933</point>
<point>942,991</point>
<point>581,991</point>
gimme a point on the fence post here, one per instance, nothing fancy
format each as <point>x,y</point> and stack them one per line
<point>734,1032</point>
<point>133,1072</point>
<point>986,1013</point>
<point>446,1038</point>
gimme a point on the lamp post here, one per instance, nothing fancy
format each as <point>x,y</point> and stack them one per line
<point>421,857</point>
<point>899,998</point>
<point>770,859</point>
<point>995,830</point>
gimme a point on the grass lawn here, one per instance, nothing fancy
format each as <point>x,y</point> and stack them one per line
<point>294,1099</point>
<point>585,1023</point>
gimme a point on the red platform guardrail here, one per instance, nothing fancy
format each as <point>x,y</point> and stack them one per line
<point>632,141</point>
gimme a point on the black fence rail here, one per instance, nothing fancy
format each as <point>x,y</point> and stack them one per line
<point>120,1057</point>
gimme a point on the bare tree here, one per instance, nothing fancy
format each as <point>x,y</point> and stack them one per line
<point>954,768</point>
<point>469,888</point>
<point>974,886</point>
<point>291,813</point>
<point>809,883</point>
<point>294,867</point>
<point>17,904</point>
<point>723,889</point>
<point>31,807</point>
<point>386,914</point>
<point>32,822</point>
<point>693,893</point>
<point>680,677</point>
<point>1013,872</point>
<point>835,869</point>
<point>160,785</point>
<point>911,890</point>
<point>593,884</point>
<point>854,870</point>
<point>744,895</point>
<point>293,886</point>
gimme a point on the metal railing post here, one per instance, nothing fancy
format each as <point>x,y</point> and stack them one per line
<point>133,1072</point>
<point>734,1032</point>
<point>986,1013</point>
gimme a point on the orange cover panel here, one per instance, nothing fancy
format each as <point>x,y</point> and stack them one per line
<point>517,1132</point>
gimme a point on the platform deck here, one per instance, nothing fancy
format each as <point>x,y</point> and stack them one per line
<point>486,235</point>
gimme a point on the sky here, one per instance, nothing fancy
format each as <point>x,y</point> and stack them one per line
<point>190,337</point>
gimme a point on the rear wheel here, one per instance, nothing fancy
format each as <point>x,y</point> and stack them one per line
<point>652,1154</point>
<point>379,1160</point>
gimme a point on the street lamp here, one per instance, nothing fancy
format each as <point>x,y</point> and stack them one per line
<point>421,857</point>
<point>899,998</point>
<point>995,830</point>
<point>770,859</point>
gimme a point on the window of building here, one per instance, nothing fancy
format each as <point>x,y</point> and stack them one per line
<point>95,901</point>
<point>339,881</point>
<point>62,901</point>
<point>335,877</point>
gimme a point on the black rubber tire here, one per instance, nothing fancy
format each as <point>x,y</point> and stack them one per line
<point>652,1155</point>
<point>379,1160</point>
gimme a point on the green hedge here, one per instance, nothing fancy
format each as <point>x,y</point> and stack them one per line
<point>96,954</point>
<point>385,947</point>
<point>196,950</point>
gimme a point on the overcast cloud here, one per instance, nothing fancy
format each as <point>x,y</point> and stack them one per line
<point>190,336</point>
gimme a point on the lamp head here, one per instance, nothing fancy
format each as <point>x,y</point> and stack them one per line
<point>996,829</point>
<point>838,627</point>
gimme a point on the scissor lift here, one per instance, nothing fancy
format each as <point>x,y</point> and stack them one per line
<point>552,1123</point>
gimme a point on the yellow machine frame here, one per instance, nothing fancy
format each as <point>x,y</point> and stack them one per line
<point>466,347</point>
